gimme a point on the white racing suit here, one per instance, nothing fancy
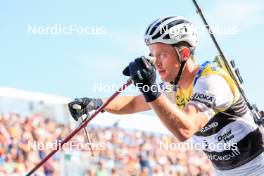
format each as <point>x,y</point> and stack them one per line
<point>231,139</point>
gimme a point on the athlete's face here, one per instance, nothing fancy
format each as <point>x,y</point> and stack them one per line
<point>166,61</point>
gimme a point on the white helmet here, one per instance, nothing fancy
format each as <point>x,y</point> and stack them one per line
<point>171,30</point>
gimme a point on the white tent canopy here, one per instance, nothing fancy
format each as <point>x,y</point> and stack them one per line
<point>33,96</point>
<point>137,121</point>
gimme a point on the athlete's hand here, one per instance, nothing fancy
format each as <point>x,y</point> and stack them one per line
<point>81,106</point>
<point>143,74</point>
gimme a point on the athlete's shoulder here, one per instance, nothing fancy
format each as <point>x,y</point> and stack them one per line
<point>213,91</point>
<point>213,68</point>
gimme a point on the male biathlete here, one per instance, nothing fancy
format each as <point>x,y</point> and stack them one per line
<point>203,102</point>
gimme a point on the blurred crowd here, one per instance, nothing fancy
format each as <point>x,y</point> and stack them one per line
<point>116,151</point>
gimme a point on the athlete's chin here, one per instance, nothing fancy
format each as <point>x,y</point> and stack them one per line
<point>165,78</point>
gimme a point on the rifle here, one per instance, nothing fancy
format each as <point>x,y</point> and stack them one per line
<point>230,67</point>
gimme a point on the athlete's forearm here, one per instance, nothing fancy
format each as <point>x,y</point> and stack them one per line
<point>175,119</point>
<point>127,105</point>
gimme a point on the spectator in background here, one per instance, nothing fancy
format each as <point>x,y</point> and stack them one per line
<point>125,153</point>
<point>100,170</point>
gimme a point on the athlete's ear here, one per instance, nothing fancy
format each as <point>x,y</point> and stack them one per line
<point>185,53</point>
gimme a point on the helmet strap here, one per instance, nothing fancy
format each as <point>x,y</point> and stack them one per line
<point>182,65</point>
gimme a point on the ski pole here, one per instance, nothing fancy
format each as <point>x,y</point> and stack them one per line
<point>82,125</point>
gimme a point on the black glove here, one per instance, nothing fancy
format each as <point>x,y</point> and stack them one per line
<point>86,105</point>
<point>143,74</point>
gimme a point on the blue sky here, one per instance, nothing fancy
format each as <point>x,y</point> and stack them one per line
<point>69,65</point>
